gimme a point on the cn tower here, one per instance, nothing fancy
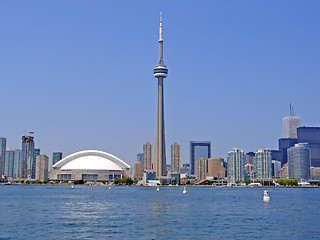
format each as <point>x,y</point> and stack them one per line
<point>160,72</point>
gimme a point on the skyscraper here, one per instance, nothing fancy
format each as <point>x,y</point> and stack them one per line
<point>299,161</point>
<point>147,156</point>
<point>27,150</point>
<point>3,143</point>
<point>36,153</point>
<point>160,72</point>
<point>311,135</point>
<point>138,173</point>
<point>290,124</point>
<point>56,157</point>
<point>262,164</point>
<point>41,172</point>
<point>175,157</point>
<point>199,149</point>
<point>18,166</point>
<point>236,166</point>
<point>9,163</point>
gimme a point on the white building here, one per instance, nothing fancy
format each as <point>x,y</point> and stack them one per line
<point>90,165</point>
<point>290,125</point>
<point>236,166</point>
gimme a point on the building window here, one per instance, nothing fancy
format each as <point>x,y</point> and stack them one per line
<point>64,176</point>
<point>89,176</point>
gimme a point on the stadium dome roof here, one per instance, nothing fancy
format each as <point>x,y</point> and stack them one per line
<point>91,160</point>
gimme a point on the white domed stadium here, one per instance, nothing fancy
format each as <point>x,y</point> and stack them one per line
<point>90,165</point>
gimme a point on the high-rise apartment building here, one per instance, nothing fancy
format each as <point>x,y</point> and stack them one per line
<point>140,157</point>
<point>9,163</point>
<point>56,157</point>
<point>215,168</point>
<point>199,149</point>
<point>41,173</point>
<point>311,135</point>
<point>147,155</point>
<point>201,168</point>
<point>36,153</point>
<point>262,164</point>
<point>27,150</point>
<point>299,159</point>
<point>18,167</point>
<point>236,166</point>
<point>175,157</point>
<point>3,145</point>
<point>138,173</point>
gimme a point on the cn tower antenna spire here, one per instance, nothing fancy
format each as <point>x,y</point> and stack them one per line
<point>160,41</point>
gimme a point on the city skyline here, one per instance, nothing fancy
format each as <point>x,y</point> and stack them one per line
<point>74,64</point>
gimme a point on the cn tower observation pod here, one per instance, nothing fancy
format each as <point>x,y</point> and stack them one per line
<point>90,165</point>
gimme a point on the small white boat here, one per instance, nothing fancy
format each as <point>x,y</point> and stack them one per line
<point>184,190</point>
<point>266,197</point>
<point>158,189</point>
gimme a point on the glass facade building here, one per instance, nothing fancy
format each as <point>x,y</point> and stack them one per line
<point>236,166</point>
<point>36,153</point>
<point>299,159</point>
<point>311,135</point>
<point>199,149</point>
<point>9,163</point>
<point>56,157</point>
<point>140,157</point>
<point>17,164</point>
<point>3,145</point>
<point>262,164</point>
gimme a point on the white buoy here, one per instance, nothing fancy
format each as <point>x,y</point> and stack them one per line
<point>158,189</point>
<point>109,187</point>
<point>72,186</point>
<point>266,197</point>
<point>184,190</point>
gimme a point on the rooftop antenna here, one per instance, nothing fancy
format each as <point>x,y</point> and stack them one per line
<point>291,109</point>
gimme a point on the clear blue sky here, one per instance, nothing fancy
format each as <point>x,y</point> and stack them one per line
<point>79,73</point>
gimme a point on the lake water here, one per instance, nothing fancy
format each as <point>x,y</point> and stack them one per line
<point>62,212</point>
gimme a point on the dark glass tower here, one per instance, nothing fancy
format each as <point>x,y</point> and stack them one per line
<point>199,149</point>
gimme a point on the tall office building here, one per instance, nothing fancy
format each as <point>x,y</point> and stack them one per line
<point>215,168</point>
<point>41,173</point>
<point>147,155</point>
<point>18,167</point>
<point>201,168</point>
<point>56,157</point>
<point>36,153</point>
<point>284,144</point>
<point>199,149</point>
<point>290,124</point>
<point>9,163</point>
<point>175,158</point>
<point>236,166</point>
<point>311,135</point>
<point>3,145</point>
<point>160,72</point>
<point>27,150</point>
<point>140,157</point>
<point>262,164</point>
<point>299,159</point>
